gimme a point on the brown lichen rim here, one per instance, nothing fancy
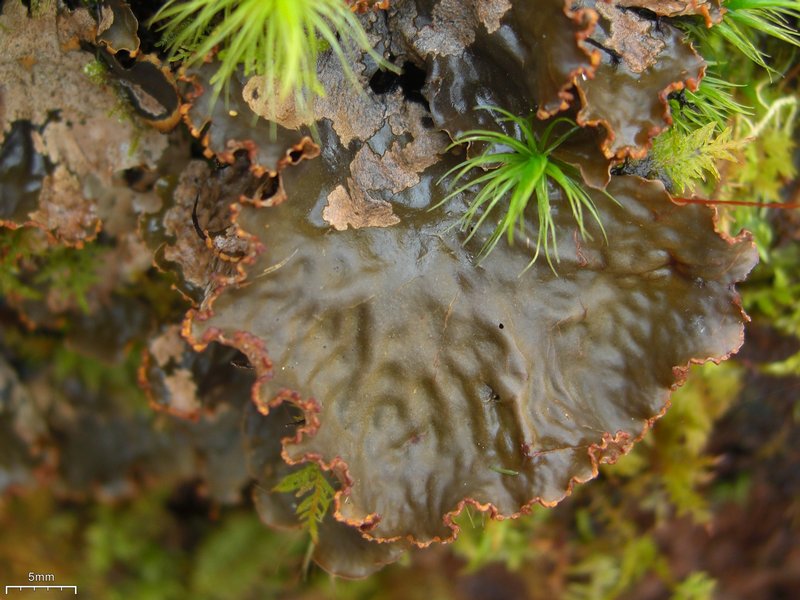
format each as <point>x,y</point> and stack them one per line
<point>143,381</point>
<point>219,284</point>
<point>325,566</point>
<point>255,350</point>
<point>144,384</point>
<point>582,16</point>
<point>362,6</point>
<point>699,8</point>
<point>52,238</point>
<point>254,249</point>
<point>305,146</point>
<point>107,43</point>
<point>639,152</point>
<point>710,19</point>
<point>305,149</point>
<point>170,121</point>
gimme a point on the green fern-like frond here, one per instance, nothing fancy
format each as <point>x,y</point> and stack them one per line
<point>744,20</point>
<point>279,39</point>
<point>310,482</point>
<point>520,170</point>
<point>688,158</point>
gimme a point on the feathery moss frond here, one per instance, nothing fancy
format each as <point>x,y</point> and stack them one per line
<point>687,157</point>
<point>280,39</point>
<point>769,160</point>
<point>520,170</point>
<point>310,482</point>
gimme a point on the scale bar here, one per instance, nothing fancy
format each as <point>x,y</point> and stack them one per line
<point>74,588</point>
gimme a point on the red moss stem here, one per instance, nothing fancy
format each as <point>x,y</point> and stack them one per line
<point>783,205</point>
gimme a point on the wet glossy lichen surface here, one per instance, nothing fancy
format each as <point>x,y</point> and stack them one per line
<point>441,379</point>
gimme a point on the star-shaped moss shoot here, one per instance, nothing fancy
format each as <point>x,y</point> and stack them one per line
<point>279,39</point>
<point>521,170</point>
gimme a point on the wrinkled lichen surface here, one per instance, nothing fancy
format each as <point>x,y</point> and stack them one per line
<point>337,314</point>
<point>431,373</point>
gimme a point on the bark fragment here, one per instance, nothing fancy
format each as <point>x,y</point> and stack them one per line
<point>356,210</point>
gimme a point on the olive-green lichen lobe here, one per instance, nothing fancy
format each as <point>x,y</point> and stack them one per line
<point>427,377</point>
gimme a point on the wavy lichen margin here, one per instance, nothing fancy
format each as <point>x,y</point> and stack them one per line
<point>607,449</point>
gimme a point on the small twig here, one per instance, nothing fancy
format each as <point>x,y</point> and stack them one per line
<point>195,221</point>
<point>503,470</point>
<point>783,205</point>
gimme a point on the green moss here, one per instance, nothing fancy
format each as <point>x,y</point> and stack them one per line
<point>766,166</point>
<point>521,171</point>
<point>670,465</point>
<point>745,23</point>
<point>280,39</point>
<point>483,541</point>
<point>32,267</point>
<point>96,71</point>
<point>697,586</point>
<point>239,559</point>
<point>713,102</point>
<point>17,249</point>
<point>689,157</point>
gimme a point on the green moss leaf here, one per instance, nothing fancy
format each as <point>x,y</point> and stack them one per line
<point>520,170</point>
<point>697,586</point>
<point>281,39</point>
